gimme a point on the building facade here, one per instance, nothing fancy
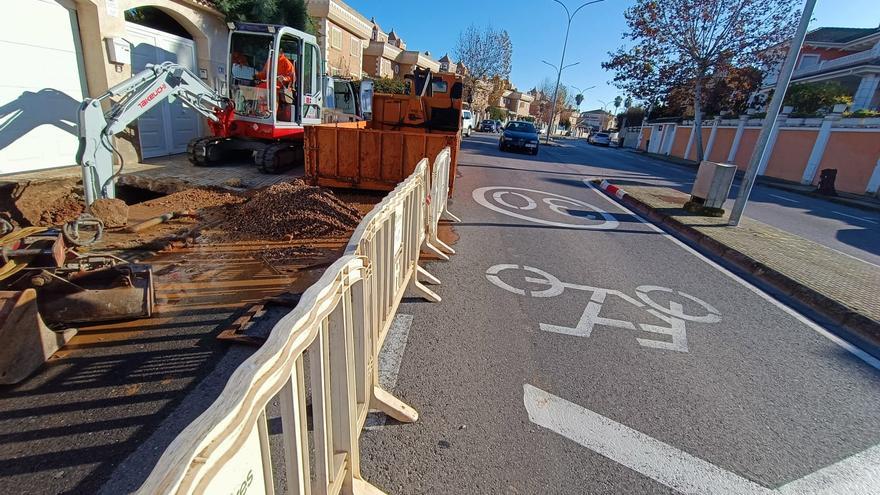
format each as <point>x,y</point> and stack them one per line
<point>516,102</point>
<point>387,56</point>
<point>343,33</point>
<point>849,56</point>
<point>596,120</point>
<point>59,50</point>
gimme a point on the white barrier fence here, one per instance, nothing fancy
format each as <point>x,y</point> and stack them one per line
<point>437,202</point>
<point>330,341</point>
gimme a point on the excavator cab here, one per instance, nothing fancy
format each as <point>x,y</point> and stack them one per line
<point>274,80</point>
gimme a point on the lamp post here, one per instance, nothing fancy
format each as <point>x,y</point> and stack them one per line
<point>570,15</point>
<point>782,81</point>
<point>580,92</point>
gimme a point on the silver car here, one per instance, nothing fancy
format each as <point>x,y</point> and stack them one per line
<point>600,138</point>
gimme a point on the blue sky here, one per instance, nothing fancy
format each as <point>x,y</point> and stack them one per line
<point>537,28</point>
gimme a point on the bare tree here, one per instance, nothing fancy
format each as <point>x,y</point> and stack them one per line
<point>678,42</point>
<point>487,53</point>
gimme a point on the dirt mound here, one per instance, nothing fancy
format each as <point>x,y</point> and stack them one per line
<point>194,199</point>
<point>289,210</point>
<point>113,212</point>
<point>42,203</point>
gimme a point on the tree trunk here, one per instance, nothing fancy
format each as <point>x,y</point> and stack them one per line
<point>698,118</point>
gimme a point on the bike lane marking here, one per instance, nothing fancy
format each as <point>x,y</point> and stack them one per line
<point>861,354</point>
<point>858,474</point>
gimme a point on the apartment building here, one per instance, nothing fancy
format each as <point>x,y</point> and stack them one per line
<point>343,33</point>
<point>387,55</point>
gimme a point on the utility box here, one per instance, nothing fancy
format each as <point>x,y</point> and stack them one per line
<point>118,51</point>
<point>712,187</point>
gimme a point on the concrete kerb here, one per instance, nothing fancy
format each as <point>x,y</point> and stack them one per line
<point>861,204</point>
<point>859,328</point>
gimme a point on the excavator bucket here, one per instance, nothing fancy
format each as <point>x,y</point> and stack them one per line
<point>25,340</point>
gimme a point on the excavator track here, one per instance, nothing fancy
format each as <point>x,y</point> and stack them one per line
<point>202,152</point>
<point>278,157</point>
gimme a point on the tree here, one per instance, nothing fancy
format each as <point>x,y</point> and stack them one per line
<point>291,13</point>
<point>578,99</point>
<point>812,98</point>
<point>487,53</point>
<point>678,42</point>
<point>387,85</point>
<point>617,101</point>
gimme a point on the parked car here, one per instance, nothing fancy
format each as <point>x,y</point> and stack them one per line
<point>467,123</point>
<point>519,135</point>
<point>488,126</point>
<point>600,138</point>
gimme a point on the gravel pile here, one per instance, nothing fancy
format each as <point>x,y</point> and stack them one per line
<point>289,210</point>
<point>195,199</point>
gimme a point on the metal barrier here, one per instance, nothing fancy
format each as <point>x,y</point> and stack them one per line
<point>437,202</point>
<point>331,341</point>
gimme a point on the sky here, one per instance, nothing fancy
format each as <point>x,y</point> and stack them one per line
<point>537,29</point>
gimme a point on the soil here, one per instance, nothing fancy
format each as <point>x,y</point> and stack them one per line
<point>290,210</point>
<point>193,199</point>
<point>42,203</point>
<point>113,212</point>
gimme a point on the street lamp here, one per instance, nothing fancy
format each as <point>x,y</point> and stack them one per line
<point>570,15</point>
<point>580,92</point>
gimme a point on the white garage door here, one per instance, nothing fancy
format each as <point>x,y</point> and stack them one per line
<point>41,86</point>
<point>169,127</point>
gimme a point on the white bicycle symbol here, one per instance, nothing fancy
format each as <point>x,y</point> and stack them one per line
<point>516,201</point>
<point>672,313</point>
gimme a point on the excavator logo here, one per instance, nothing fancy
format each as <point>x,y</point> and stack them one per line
<point>152,96</point>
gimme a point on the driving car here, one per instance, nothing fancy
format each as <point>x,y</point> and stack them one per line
<point>519,135</point>
<point>600,138</point>
<point>467,123</point>
<point>488,126</point>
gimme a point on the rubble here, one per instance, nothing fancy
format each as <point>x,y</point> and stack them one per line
<point>113,212</point>
<point>194,199</point>
<point>42,203</point>
<point>289,210</point>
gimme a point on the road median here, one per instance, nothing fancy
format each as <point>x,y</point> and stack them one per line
<point>835,285</point>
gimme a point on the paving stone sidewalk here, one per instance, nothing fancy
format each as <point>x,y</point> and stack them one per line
<point>835,275</point>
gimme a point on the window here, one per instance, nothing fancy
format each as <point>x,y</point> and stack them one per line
<point>336,37</point>
<point>808,60</point>
<point>386,68</point>
<point>355,48</point>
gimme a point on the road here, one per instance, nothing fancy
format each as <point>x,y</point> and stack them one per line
<point>580,350</point>
<point>853,231</point>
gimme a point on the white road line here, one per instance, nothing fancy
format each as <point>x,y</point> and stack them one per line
<point>389,362</point>
<point>852,216</point>
<point>855,475</point>
<point>784,198</point>
<point>864,356</point>
<point>633,449</point>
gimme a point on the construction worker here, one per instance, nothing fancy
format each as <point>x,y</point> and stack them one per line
<point>286,77</point>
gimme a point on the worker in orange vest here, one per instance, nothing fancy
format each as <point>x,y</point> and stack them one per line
<point>286,77</point>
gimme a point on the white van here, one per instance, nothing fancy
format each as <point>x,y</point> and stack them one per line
<point>467,123</point>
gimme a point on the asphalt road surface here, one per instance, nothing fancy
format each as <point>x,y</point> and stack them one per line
<point>580,350</point>
<point>853,231</point>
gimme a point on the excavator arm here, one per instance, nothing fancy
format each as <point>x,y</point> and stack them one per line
<point>138,95</point>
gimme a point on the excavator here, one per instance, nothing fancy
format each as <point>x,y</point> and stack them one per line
<point>274,86</point>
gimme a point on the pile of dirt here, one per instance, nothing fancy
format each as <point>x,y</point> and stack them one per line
<point>194,199</point>
<point>113,212</point>
<point>44,203</point>
<point>289,210</point>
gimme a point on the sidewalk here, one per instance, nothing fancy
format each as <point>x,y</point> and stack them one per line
<point>853,200</point>
<point>838,286</point>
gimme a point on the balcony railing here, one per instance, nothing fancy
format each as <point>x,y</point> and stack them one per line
<point>830,65</point>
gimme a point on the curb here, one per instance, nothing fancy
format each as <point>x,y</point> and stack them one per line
<point>859,327</point>
<point>845,201</point>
